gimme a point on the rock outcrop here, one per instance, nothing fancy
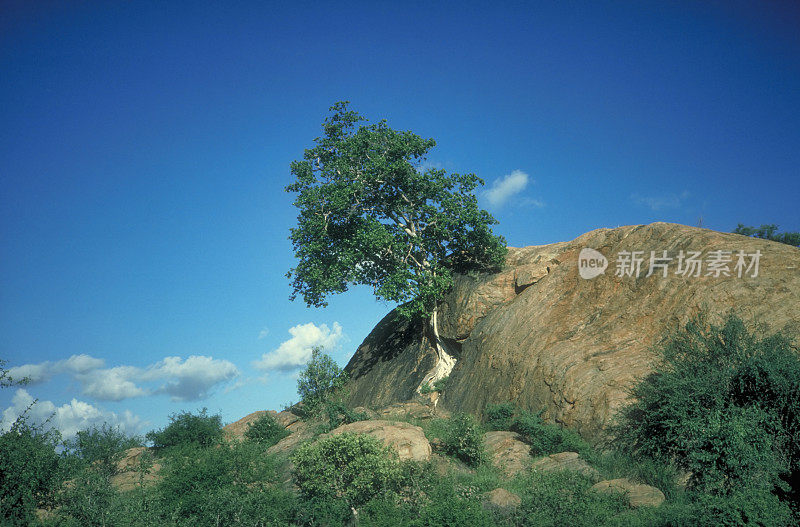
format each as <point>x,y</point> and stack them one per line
<point>539,334</point>
<point>507,452</point>
<point>566,461</point>
<point>638,494</point>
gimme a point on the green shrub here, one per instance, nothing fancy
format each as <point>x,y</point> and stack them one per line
<point>319,382</point>
<point>89,499</point>
<point>564,498</point>
<point>223,482</point>
<point>450,511</point>
<point>102,446</point>
<point>265,431</point>
<point>441,384</point>
<point>742,507</point>
<point>724,404</point>
<point>29,470</point>
<point>350,467</point>
<point>463,438</point>
<point>187,429</point>
<point>500,416</point>
<point>545,438</point>
<point>340,414</point>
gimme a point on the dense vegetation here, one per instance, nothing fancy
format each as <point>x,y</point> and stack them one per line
<point>721,411</point>
<point>769,232</point>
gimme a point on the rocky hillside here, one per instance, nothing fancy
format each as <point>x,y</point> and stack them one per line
<point>540,334</point>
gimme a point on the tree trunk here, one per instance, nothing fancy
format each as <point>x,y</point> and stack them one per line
<point>444,361</point>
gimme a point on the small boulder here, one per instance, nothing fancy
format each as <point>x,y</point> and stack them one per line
<point>407,440</point>
<point>507,452</point>
<point>638,494</point>
<point>503,499</point>
<point>570,461</point>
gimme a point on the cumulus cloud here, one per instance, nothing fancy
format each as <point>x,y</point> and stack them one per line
<point>504,188</point>
<point>193,378</point>
<point>296,351</point>
<point>38,373</point>
<point>68,418</point>
<point>182,380</point>
<point>113,384</point>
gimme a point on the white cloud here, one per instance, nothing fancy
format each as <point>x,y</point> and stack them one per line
<point>263,333</point>
<point>82,363</point>
<point>113,384</point>
<point>38,373</point>
<point>193,378</point>
<point>296,351</point>
<point>664,201</point>
<point>68,418</point>
<point>506,187</point>
<point>183,380</point>
<point>35,373</point>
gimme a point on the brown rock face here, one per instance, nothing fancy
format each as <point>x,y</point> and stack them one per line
<point>539,334</point>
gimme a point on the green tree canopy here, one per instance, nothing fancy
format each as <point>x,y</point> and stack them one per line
<point>370,214</point>
<point>769,232</point>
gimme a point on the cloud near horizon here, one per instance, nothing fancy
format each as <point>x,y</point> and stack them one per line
<point>68,418</point>
<point>504,188</point>
<point>296,351</point>
<point>182,380</point>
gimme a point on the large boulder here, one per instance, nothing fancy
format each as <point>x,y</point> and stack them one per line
<point>407,440</point>
<point>539,334</point>
<point>638,494</point>
<point>569,461</point>
<point>507,452</point>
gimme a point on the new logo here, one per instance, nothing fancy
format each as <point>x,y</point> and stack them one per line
<point>591,263</point>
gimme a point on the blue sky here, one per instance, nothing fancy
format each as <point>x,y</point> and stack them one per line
<point>144,149</point>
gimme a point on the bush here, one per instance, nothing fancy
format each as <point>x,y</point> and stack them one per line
<point>463,438</point>
<point>546,438</point>
<point>29,469</point>
<point>742,507</point>
<point>265,431</point>
<point>187,429</point>
<point>228,483</point>
<point>543,438</point>
<point>340,414</point>
<point>103,446</point>
<point>350,467</point>
<point>499,416</point>
<point>318,382</point>
<point>724,404</point>
<point>565,498</point>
